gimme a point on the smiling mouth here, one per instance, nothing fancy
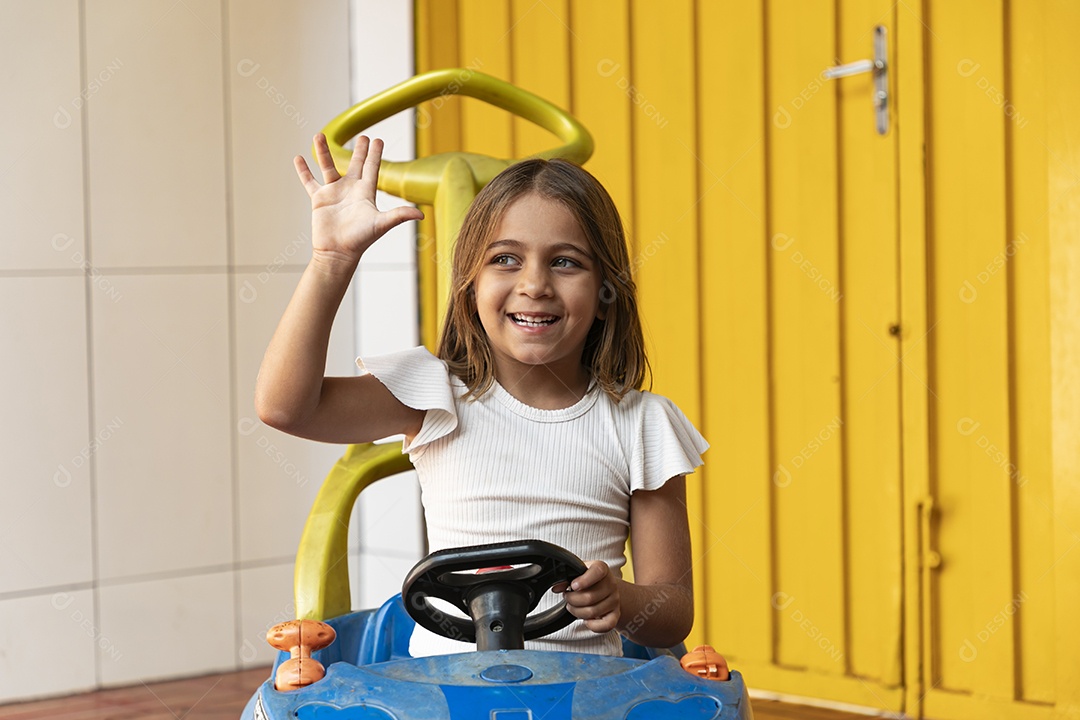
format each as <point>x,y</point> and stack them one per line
<point>533,320</point>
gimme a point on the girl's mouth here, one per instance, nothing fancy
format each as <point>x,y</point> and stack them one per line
<point>533,320</point>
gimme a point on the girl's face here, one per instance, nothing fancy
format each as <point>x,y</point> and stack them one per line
<point>538,290</point>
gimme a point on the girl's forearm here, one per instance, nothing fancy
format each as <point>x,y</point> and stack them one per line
<point>657,616</point>
<point>290,379</point>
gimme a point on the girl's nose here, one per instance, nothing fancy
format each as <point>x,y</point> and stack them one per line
<point>535,281</point>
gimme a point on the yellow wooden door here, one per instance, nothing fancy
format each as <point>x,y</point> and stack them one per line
<point>876,333</point>
<point>762,207</point>
<point>805,410</point>
<point>992,627</point>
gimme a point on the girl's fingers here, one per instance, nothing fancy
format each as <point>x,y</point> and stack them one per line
<point>370,173</point>
<point>326,160</point>
<point>360,151</point>
<point>591,600</point>
<point>308,180</point>
<point>603,624</point>
<point>600,608</point>
<point>597,569</point>
<point>600,617</point>
<point>593,597</point>
<point>395,216</point>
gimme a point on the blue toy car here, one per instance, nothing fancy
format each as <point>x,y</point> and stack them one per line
<point>369,674</point>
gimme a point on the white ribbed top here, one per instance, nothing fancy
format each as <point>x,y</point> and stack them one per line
<point>494,469</point>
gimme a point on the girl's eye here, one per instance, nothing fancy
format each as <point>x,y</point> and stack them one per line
<point>564,262</point>
<point>503,260</point>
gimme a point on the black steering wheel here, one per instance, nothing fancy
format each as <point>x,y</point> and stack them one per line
<point>499,598</point>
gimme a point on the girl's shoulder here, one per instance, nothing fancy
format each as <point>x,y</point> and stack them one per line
<point>645,403</point>
<point>642,415</point>
<point>658,439</point>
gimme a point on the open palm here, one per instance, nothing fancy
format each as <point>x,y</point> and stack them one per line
<point>344,218</point>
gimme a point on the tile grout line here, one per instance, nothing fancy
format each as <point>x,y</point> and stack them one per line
<point>190,572</point>
<point>230,309</point>
<point>371,266</point>
<point>176,574</point>
<point>88,299</point>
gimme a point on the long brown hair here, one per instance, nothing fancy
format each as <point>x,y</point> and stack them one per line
<point>614,351</point>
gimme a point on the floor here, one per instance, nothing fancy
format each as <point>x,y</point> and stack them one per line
<point>221,697</point>
<point>213,697</point>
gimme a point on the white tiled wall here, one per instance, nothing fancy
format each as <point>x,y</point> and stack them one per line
<point>41,179</point>
<point>156,133</point>
<point>283,57</point>
<point>155,230</point>
<point>192,631</point>
<point>51,640</point>
<point>161,389</point>
<point>266,599</point>
<point>46,442</point>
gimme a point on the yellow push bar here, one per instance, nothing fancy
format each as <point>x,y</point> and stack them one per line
<point>418,181</point>
<point>321,576</point>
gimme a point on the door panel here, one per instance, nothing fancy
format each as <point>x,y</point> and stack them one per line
<point>735,330</point>
<point>870,326</point>
<point>968,354</point>
<point>862,325</point>
<point>665,247</point>
<point>804,265</point>
<point>989,606</point>
<point>830,507</point>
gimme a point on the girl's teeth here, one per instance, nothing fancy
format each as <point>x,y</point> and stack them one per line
<point>533,322</point>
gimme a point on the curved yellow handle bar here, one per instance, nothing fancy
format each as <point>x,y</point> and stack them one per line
<point>418,180</point>
<point>321,580</point>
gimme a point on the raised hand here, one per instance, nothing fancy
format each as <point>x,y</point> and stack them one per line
<point>344,219</point>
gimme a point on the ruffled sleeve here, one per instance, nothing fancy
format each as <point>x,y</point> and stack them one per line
<point>420,381</point>
<point>668,444</point>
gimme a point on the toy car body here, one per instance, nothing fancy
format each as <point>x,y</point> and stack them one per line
<point>370,676</point>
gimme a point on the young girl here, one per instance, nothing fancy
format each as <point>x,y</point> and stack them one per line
<point>530,422</point>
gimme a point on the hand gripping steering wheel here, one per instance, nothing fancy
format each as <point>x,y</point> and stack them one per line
<point>498,600</point>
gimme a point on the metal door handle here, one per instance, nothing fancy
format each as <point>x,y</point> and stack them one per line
<point>853,68</point>
<point>878,67</point>
<point>931,558</point>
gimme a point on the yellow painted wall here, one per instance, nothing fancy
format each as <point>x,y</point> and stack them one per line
<point>859,323</point>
